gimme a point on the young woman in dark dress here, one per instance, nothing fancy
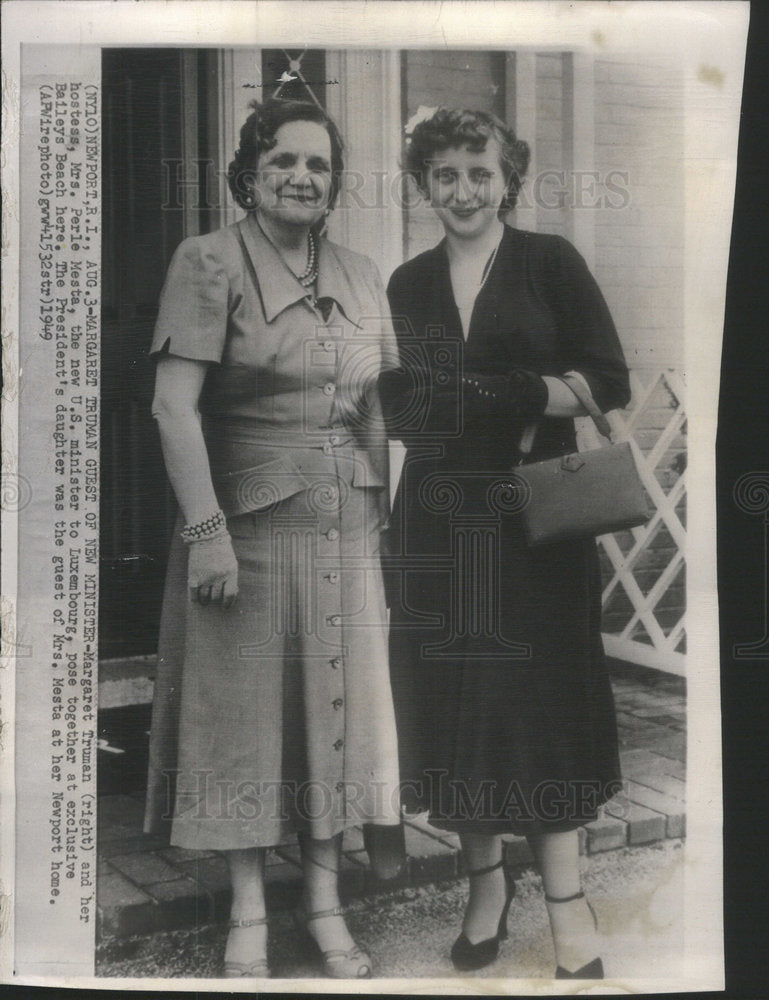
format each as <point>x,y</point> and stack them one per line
<point>505,715</point>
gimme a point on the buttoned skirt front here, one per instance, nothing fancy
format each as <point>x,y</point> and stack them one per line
<point>285,718</point>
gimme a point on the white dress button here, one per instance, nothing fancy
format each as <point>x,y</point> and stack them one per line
<point>329,388</point>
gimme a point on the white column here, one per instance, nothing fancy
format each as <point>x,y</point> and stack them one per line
<point>521,75</point>
<point>579,150</point>
<point>366,107</point>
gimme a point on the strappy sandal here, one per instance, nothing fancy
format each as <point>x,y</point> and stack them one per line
<point>258,969</point>
<point>594,968</point>
<point>467,956</point>
<point>338,964</point>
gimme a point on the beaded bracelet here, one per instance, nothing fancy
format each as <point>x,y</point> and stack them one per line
<point>211,526</point>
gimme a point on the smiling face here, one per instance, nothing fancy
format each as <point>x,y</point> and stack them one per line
<point>293,180</point>
<point>466,189</point>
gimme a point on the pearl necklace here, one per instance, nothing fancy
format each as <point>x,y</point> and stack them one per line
<point>309,276</point>
<point>310,273</point>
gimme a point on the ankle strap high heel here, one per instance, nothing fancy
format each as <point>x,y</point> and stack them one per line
<point>258,969</point>
<point>564,899</point>
<point>570,899</point>
<point>337,963</point>
<point>467,956</point>
<point>593,969</point>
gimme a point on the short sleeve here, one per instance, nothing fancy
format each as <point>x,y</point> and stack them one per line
<point>192,319</point>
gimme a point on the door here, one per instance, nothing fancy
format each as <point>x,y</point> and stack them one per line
<point>158,130</point>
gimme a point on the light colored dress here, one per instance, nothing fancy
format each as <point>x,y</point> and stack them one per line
<point>276,715</point>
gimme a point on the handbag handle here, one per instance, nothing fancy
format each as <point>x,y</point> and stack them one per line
<point>583,395</point>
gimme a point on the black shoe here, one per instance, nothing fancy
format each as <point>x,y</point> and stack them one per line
<point>594,969</point>
<point>467,956</point>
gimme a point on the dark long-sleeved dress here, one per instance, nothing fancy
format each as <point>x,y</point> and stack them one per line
<point>504,709</point>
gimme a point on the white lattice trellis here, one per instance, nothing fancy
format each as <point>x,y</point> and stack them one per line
<point>651,633</point>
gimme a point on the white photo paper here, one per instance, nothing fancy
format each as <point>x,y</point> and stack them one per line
<point>120,121</point>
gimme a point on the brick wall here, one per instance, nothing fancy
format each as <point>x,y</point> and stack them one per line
<point>639,131</point>
<point>639,264</point>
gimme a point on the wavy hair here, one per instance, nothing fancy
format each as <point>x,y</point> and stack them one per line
<point>453,128</point>
<point>257,136</point>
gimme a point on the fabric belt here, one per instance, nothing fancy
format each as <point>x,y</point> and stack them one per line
<point>267,473</point>
<point>269,438</point>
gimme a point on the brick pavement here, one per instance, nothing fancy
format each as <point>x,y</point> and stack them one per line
<point>144,885</point>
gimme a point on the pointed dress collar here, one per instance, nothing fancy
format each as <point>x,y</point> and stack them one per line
<point>279,288</point>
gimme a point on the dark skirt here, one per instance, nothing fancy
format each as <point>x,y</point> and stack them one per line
<point>504,708</point>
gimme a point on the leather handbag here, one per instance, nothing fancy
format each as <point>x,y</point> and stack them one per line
<point>585,493</point>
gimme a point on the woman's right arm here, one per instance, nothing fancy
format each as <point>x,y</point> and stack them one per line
<point>213,568</point>
<point>178,384</point>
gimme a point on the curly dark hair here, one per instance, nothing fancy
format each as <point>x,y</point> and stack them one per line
<point>258,135</point>
<point>452,128</point>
